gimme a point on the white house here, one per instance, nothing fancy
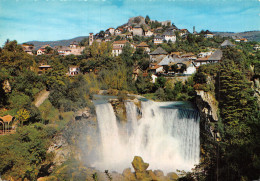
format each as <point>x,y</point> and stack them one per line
<point>158,39</point>
<point>64,50</point>
<point>117,50</point>
<point>208,34</point>
<point>155,68</point>
<point>118,31</point>
<point>111,31</point>
<point>169,36</point>
<point>73,70</point>
<point>41,51</point>
<point>148,33</point>
<point>191,68</point>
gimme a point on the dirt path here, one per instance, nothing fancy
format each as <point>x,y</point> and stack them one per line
<point>41,98</point>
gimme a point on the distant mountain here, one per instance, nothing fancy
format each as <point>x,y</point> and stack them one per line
<point>38,44</point>
<point>250,35</point>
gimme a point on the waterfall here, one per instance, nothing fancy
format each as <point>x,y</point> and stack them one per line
<point>166,136</point>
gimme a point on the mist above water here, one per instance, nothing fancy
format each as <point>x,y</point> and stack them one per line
<point>164,135</point>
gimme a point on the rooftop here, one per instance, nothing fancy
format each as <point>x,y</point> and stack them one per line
<point>217,55</point>
<point>159,51</point>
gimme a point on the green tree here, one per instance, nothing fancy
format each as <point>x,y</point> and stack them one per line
<point>147,19</point>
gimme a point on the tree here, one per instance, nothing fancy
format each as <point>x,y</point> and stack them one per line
<point>23,115</point>
<point>160,82</point>
<point>166,68</point>
<point>183,68</point>
<point>174,67</point>
<point>147,19</point>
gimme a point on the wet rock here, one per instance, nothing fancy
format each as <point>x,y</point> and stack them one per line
<point>152,175</point>
<point>128,175</point>
<point>158,173</point>
<point>140,169</point>
<point>50,178</point>
<point>139,165</point>
<point>173,176</point>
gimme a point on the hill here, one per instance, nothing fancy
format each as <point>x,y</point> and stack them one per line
<point>250,35</point>
<point>38,44</point>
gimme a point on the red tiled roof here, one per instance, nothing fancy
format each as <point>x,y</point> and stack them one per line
<point>142,44</point>
<point>120,42</point>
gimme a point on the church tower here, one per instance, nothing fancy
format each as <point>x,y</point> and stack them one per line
<point>91,38</point>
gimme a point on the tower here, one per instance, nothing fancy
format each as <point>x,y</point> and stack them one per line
<point>194,32</point>
<point>91,38</point>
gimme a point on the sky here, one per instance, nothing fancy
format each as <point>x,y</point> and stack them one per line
<point>45,20</point>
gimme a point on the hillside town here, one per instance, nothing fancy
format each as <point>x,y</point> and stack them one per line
<point>178,94</point>
<point>148,35</point>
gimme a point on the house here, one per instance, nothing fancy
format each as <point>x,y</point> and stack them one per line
<point>129,35</point>
<point>73,70</point>
<point>170,60</point>
<point>117,50</point>
<point>184,32</point>
<point>243,40</point>
<point>190,67</point>
<point>155,68</point>
<point>167,60</point>
<point>158,39</point>
<point>107,34</point>
<point>215,57</point>
<point>137,31</point>
<point>107,39</point>
<point>111,31</point>
<point>118,47</point>
<point>28,48</point>
<point>118,31</point>
<point>204,54</point>
<point>201,61</point>
<point>144,46</point>
<point>256,47</point>
<point>130,28</point>
<point>120,43</point>
<point>41,51</point>
<point>148,33</point>
<point>169,36</point>
<point>157,55</point>
<point>74,44</point>
<point>208,34</point>
<point>189,55</point>
<point>227,43</point>
<point>43,68</point>
<point>63,50</point>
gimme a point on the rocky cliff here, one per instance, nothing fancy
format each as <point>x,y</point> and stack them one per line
<point>208,108</point>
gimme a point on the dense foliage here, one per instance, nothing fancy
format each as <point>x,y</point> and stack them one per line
<point>23,153</point>
<point>236,156</point>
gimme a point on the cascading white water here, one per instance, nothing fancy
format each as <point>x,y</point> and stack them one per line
<point>167,138</point>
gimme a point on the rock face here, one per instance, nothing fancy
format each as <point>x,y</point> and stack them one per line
<point>139,20</point>
<point>139,165</point>
<point>207,105</point>
<point>141,172</point>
